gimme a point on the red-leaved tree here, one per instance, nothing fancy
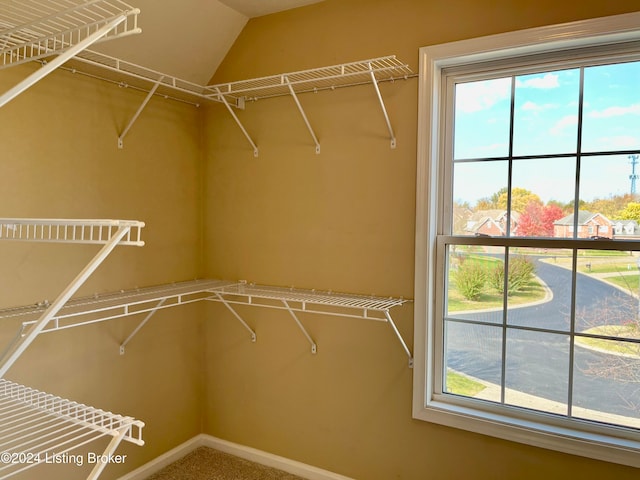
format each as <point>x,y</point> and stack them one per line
<point>537,220</point>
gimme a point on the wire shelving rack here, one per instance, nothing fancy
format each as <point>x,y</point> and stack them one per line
<point>39,428</point>
<point>34,424</point>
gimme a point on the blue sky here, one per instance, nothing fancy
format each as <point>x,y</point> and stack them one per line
<point>545,122</point>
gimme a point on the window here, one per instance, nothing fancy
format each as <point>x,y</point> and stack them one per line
<point>531,331</point>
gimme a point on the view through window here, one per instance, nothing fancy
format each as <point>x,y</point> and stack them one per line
<point>541,243</point>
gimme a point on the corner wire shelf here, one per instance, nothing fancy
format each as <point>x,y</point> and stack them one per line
<point>38,428</point>
<point>99,308</point>
<point>34,424</point>
<point>37,30</point>
<point>235,95</point>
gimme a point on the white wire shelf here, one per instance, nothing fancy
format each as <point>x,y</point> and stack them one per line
<point>387,68</point>
<point>312,301</point>
<point>70,230</point>
<point>99,308</point>
<point>35,426</point>
<point>295,301</point>
<point>33,29</point>
<point>127,74</point>
<point>109,306</point>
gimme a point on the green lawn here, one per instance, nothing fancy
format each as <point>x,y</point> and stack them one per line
<point>462,385</point>
<point>628,282</point>
<point>615,331</point>
<point>456,302</point>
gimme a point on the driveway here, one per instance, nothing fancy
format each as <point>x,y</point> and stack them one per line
<point>537,362</point>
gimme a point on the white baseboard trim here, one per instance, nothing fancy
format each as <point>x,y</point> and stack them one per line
<point>248,453</point>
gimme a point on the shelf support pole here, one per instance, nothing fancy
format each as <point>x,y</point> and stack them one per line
<point>111,447</point>
<point>402,342</point>
<point>384,109</point>
<point>45,70</point>
<point>140,109</point>
<point>11,357</point>
<point>235,117</point>
<point>285,79</point>
<point>141,324</point>
<point>238,317</point>
<point>314,347</point>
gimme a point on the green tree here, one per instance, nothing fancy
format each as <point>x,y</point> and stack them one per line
<point>610,207</point>
<point>630,212</point>
<point>520,198</point>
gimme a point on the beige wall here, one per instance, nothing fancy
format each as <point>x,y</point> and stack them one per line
<point>59,159</point>
<point>341,220</point>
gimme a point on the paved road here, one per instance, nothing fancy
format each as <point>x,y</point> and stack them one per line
<point>537,362</point>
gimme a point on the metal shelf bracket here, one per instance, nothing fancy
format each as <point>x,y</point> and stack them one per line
<point>235,117</point>
<point>138,112</point>
<point>402,342</point>
<point>286,81</point>
<point>238,317</point>
<point>314,347</point>
<point>140,325</point>
<point>374,80</point>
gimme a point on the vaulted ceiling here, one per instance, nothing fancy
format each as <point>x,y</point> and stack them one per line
<point>190,38</point>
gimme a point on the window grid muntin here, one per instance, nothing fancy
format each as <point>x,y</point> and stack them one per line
<point>564,421</point>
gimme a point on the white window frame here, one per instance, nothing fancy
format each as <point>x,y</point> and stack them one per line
<point>501,422</point>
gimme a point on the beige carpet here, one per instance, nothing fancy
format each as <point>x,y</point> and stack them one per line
<point>209,464</point>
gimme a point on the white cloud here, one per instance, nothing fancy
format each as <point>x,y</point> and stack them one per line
<point>536,107</point>
<point>620,142</point>
<point>477,96</point>
<point>548,80</point>
<point>616,111</point>
<point>563,123</point>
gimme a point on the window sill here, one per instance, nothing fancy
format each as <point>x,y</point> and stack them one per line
<point>537,434</point>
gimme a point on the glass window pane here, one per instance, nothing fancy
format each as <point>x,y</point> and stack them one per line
<point>539,288</point>
<point>537,371</point>
<point>606,379</point>
<point>480,198</point>
<point>546,113</point>
<point>472,360</point>
<point>470,293</point>
<point>482,114</point>
<point>606,289</point>
<point>611,118</point>
<point>609,206</point>
<point>542,194</point>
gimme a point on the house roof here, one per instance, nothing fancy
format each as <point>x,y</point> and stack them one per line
<point>494,214</point>
<point>625,222</point>
<point>584,217</point>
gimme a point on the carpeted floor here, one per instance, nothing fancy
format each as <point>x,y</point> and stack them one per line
<point>209,464</point>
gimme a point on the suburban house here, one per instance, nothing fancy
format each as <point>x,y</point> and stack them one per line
<point>625,228</point>
<point>589,225</point>
<point>491,222</point>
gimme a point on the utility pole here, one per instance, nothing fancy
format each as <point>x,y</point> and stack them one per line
<point>633,177</point>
